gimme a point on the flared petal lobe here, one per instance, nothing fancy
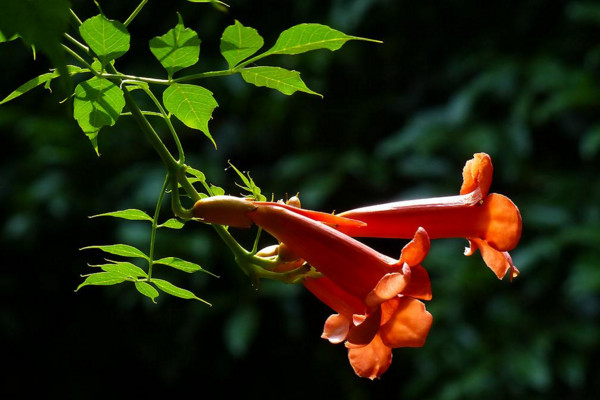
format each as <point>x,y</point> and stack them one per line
<point>372,360</point>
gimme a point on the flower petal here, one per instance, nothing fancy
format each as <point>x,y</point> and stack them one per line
<point>389,286</point>
<point>498,261</point>
<point>419,286</point>
<point>362,334</point>
<point>408,324</point>
<point>503,222</point>
<point>477,173</point>
<point>336,328</point>
<point>372,360</point>
<point>416,250</point>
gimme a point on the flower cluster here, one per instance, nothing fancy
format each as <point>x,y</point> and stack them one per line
<point>378,300</point>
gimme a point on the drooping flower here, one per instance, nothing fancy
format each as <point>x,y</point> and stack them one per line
<point>374,295</point>
<point>490,222</point>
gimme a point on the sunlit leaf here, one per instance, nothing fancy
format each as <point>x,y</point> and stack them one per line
<point>130,214</point>
<point>177,49</point>
<point>147,290</point>
<point>306,37</point>
<point>196,173</point>
<point>172,223</point>
<point>120,250</point>
<point>43,79</point>
<point>283,80</point>
<point>191,104</point>
<point>182,265</point>
<point>209,1</point>
<point>108,39</point>
<point>239,42</point>
<point>102,279</point>
<point>173,290</point>
<point>98,102</point>
<point>124,268</point>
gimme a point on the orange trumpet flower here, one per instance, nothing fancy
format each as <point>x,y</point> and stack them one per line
<point>374,294</point>
<point>490,222</point>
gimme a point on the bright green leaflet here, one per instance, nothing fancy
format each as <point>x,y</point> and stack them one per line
<point>130,214</point>
<point>172,223</point>
<point>239,42</point>
<point>283,80</point>
<point>37,81</point>
<point>173,290</point>
<point>306,37</point>
<point>181,265</point>
<point>177,49</point>
<point>124,268</point>
<point>120,250</point>
<point>98,102</point>
<point>102,279</point>
<point>191,104</point>
<point>108,39</point>
<point>147,290</point>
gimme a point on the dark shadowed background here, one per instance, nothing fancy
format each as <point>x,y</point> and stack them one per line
<point>518,80</point>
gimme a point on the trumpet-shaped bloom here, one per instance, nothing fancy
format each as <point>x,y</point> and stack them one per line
<point>374,295</point>
<point>490,222</point>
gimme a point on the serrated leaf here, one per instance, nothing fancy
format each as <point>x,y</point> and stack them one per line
<point>306,37</point>
<point>182,265</point>
<point>173,290</point>
<point>129,214</point>
<point>191,104</point>
<point>239,42</point>
<point>108,39</point>
<point>283,80</point>
<point>102,279</point>
<point>120,250</point>
<point>43,79</point>
<point>172,223</point>
<point>98,102</point>
<point>147,290</point>
<point>124,268</point>
<point>177,49</point>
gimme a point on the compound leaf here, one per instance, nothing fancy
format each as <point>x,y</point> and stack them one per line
<point>182,265</point>
<point>102,279</point>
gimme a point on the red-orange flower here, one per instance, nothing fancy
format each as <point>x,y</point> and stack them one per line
<point>491,222</point>
<point>373,293</point>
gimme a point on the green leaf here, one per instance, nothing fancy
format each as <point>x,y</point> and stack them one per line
<point>182,265</point>
<point>173,290</point>
<point>191,104</point>
<point>43,79</point>
<point>209,1</point>
<point>172,223</point>
<point>250,186</point>
<point>108,39</point>
<point>216,190</point>
<point>177,49</point>
<point>283,80</point>
<point>120,250</point>
<point>124,268</point>
<point>239,42</point>
<point>102,279</point>
<point>147,290</point>
<point>41,24</point>
<point>306,37</point>
<point>130,214</point>
<point>98,102</point>
<point>3,38</point>
<point>196,173</point>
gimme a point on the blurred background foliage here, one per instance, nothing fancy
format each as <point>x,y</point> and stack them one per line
<point>516,79</point>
